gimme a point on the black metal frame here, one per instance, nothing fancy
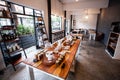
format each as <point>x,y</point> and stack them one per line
<point>49,20</point>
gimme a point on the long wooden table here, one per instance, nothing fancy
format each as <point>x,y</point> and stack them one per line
<point>55,70</point>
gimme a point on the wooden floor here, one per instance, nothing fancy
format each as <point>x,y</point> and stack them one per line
<point>93,63</point>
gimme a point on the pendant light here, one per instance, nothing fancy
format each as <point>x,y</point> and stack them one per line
<point>76,0</point>
<point>86,16</point>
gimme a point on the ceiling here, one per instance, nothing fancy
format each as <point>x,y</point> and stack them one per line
<point>93,6</point>
<point>71,1</point>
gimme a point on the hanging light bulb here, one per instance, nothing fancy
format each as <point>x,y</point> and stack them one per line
<point>76,0</point>
<point>86,16</point>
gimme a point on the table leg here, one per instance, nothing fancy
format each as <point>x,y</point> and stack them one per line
<point>31,73</point>
<point>90,36</point>
<point>94,36</point>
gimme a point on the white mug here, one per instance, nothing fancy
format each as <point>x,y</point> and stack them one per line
<point>49,55</point>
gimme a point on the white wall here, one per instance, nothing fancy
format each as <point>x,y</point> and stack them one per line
<point>86,4</point>
<point>57,9</point>
<point>82,22</point>
<point>117,50</point>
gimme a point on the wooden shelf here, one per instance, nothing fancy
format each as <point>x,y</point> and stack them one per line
<point>45,39</point>
<point>41,27</point>
<point>6,17</point>
<point>44,33</point>
<point>4,5</point>
<point>115,41</point>
<point>42,46</point>
<point>40,23</point>
<point>18,61</point>
<point>13,40</point>
<point>116,33</point>
<point>15,51</point>
<point>112,47</point>
<point>7,28</point>
<point>58,31</point>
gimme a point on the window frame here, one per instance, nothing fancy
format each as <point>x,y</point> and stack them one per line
<point>60,26</point>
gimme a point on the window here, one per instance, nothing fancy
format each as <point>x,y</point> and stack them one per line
<point>37,13</point>
<point>25,25</point>
<point>26,20</point>
<point>28,11</point>
<point>56,22</point>
<point>4,22</point>
<point>2,2</point>
<point>17,8</point>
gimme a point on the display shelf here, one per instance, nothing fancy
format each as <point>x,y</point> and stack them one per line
<point>9,39</point>
<point>113,47</point>
<point>113,40</point>
<point>115,33</point>
<point>41,23</point>
<point>41,27</point>
<point>112,43</point>
<point>45,39</point>
<point>41,33</point>
<point>13,52</point>
<point>4,5</point>
<point>18,61</point>
<point>6,17</point>
<point>13,40</point>
<point>7,28</point>
<point>56,35</point>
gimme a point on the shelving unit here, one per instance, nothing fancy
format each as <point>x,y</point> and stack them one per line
<point>113,38</point>
<point>40,30</point>
<point>10,47</point>
<point>12,13</point>
<point>113,41</point>
<point>10,42</point>
<point>57,35</point>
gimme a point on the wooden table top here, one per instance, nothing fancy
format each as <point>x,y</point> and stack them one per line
<point>54,69</point>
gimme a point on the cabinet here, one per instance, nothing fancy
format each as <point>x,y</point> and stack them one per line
<point>40,31</point>
<point>113,42</point>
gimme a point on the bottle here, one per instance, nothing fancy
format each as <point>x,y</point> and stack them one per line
<point>4,13</point>
<point>14,47</point>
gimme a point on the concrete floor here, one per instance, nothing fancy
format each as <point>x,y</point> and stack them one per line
<point>93,63</point>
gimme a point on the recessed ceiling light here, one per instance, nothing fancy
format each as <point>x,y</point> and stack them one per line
<point>86,16</point>
<point>76,0</point>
